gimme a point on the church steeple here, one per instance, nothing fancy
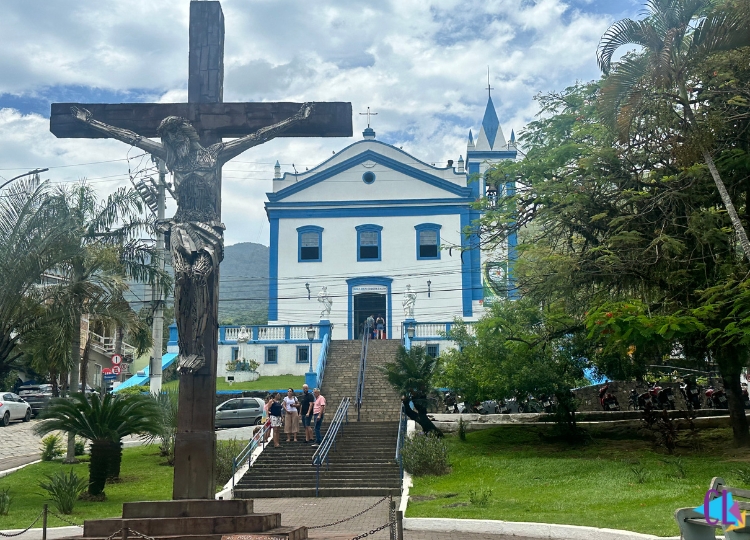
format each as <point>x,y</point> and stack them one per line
<point>491,135</point>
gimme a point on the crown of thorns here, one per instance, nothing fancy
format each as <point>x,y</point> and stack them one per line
<point>177,123</point>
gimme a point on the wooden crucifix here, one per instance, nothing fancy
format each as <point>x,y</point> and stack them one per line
<point>191,144</point>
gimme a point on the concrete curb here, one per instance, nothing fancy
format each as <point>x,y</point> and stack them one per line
<point>6,472</point>
<point>52,533</point>
<point>528,530</point>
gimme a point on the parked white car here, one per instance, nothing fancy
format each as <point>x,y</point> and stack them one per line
<point>13,407</point>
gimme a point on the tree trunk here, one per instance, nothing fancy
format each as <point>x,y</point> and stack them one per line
<point>75,357</point>
<point>115,460</point>
<point>99,465</point>
<point>728,204</point>
<point>730,367</point>
<point>420,417</point>
<point>85,364</point>
<point>55,385</point>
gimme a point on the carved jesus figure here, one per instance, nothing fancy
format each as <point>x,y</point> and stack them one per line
<point>196,236</point>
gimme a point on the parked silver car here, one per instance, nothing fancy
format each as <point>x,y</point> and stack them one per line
<point>239,412</point>
<point>12,407</point>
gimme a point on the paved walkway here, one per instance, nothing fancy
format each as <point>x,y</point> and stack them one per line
<point>311,512</point>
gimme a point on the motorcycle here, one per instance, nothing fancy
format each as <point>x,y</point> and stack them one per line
<point>607,400</point>
<point>530,405</point>
<point>663,398</point>
<point>489,406</point>
<point>451,403</point>
<point>691,393</point>
<point>633,400</point>
<point>548,405</point>
<point>745,396</point>
<point>716,399</point>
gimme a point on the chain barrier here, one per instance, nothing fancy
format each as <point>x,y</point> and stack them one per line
<point>140,535</point>
<point>392,517</point>
<point>351,517</point>
<point>130,532</point>
<point>365,535</point>
<point>64,520</point>
<point>114,534</point>
<point>11,535</point>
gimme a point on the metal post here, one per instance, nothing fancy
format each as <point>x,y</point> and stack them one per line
<point>44,523</point>
<point>391,515</point>
<point>400,524</point>
<point>124,534</point>
<point>157,329</point>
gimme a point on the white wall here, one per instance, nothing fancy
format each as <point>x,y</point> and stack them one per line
<point>287,358</point>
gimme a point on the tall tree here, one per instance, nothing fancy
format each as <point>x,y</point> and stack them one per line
<point>675,37</point>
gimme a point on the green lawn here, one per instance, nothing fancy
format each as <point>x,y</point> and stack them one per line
<point>535,479</point>
<point>264,383</point>
<point>144,478</point>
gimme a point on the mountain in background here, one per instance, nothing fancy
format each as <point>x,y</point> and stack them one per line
<point>243,285</point>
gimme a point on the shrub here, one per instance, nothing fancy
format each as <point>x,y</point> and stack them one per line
<point>64,489</point>
<point>226,451</point>
<point>461,428</point>
<point>80,447</point>
<point>132,391</point>
<point>51,447</point>
<point>425,454</point>
<point>4,501</point>
<point>480,497</point>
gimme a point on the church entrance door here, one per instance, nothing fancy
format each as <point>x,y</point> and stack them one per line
<point>366,304</point>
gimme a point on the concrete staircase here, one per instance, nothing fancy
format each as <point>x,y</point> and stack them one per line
<point>380,402</point>
<point>340,378</point>
<point>363,464</point>
<point>191,520</point>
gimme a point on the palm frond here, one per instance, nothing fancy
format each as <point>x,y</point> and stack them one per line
<point>623,32</point>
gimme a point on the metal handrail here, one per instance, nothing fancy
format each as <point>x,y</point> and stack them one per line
<point>322,360</point>
<point>362,369</point>
<point>321,454</point>
<point>400,440</point>
<point>258,439</point>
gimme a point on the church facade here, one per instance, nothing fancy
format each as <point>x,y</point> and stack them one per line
<point>371,227</point>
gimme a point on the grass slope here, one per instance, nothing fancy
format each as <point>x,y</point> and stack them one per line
<point>144,478</point>
<point>276,382</point>
<point>534,479</point>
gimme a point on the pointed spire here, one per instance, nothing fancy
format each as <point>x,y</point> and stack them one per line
<point>490,123</point>
<point>460,167</point>
<point>512,136</point>
<point>471,139</point>
<point>277,170</point>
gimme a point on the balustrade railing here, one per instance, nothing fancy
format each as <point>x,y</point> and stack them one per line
<point>322,360</point>
<point>259,439</point>
<point>400,440</point>
<point>362,369</point>
<point>329,441</point>
<point>272,333</point>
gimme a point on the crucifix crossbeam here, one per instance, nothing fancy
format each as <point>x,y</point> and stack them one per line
<point>192,147</point>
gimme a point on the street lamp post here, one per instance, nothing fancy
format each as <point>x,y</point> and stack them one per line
<point>311,337</point>
<point>410,330</point>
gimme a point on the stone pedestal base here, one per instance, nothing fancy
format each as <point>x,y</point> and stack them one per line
<point>192,519</point>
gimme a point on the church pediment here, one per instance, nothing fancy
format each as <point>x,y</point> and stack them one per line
<point>391,173</point>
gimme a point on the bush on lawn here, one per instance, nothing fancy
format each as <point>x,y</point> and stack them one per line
<point>226,451</point>
<point>425,454</point>
<point>80,448</point>
<point>51,447</point>
<point>64,489</point>
<point>4,501</point>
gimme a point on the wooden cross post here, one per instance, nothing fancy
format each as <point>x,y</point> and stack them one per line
<point>195,445</point>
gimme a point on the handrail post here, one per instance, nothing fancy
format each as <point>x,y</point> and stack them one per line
<point>44,523</point>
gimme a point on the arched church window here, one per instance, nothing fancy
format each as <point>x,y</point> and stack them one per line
<point>310,242</point>
<point>368,242</point>
<point>428,241</point>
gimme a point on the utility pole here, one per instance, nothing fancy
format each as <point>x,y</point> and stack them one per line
<point>157,330</point>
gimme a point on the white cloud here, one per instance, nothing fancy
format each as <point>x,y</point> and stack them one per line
<point>420,64</point>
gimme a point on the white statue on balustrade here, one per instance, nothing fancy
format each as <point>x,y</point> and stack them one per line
<point>243,336</point>
<point>325,299</point>
<point>410,298</point>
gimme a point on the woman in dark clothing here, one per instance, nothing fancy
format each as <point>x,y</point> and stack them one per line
<point>275,412</point>
<point>380,326</point>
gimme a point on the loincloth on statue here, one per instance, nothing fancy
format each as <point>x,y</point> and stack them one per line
<point>189,239</point>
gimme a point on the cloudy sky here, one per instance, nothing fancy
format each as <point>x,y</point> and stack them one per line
<point>420,64</point>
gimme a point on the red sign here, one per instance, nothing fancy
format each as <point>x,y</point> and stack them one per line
<point>116,359</point>
<point>106,371</point>
<point>116,370</point>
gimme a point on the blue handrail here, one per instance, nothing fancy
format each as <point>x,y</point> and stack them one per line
<point>321,454</point>
<point>362,369</point>
<point>322,360</point>
<point>400,441</point>
<point>258,439</point>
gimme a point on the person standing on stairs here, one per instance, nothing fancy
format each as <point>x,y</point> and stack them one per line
<point>319,410</point>
<point>380,325</point>
<point>275,411</point>
<point>291,426</point>
<point>306,412</point>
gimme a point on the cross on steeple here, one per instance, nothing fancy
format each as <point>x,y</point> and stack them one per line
<point>489,88</point>
<point>368,113</point>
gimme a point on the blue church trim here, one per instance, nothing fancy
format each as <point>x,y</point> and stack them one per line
<point>370,155</point>
<point>491,154</point>
<point>465,265</point>
<point>490,122</point>
<point>513,294</point>
<point>273,272</point>
<point>365,212</point>
<point>373,202</point>
<point>370,228</point>
<point>428,227</point>
<point>383,281</point>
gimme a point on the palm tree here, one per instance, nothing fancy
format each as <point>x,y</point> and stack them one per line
<point>110,251</point>
<point>675,36</point>
<point>103,421</point>
<point>33,240</point>
<point>411,376</point>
